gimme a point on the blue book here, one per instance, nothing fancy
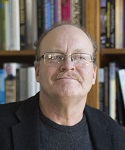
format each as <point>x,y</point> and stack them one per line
<point>123,24</point>
<point>2,86</point>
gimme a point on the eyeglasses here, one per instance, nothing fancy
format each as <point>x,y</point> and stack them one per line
<point>53,58</point>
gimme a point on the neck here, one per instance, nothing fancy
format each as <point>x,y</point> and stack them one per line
<point>63,114</point>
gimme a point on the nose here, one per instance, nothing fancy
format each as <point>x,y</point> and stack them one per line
<point>67,65</point>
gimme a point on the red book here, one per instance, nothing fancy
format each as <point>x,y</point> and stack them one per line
<point>66,10</point>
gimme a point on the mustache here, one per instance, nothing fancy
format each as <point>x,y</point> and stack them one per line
<point>71,75</point>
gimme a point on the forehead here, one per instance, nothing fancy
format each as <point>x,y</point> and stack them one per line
<point>66,37</point>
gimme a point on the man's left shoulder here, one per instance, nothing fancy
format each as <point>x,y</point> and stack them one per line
<point>103,119</point>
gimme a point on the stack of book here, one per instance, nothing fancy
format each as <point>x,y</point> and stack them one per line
<point>17,82</point>
<point>23,21</point>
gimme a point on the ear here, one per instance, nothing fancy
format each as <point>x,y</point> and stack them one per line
<point>94,74</point>
<point>36,65</point>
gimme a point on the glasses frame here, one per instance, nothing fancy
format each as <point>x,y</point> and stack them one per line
<point>65,55</point>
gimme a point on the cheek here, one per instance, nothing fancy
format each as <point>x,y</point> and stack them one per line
<point>88,75</point>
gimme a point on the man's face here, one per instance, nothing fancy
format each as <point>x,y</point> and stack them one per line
<point>66,79</point>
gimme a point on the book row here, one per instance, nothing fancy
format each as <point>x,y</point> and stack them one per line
<point>112,91</point>
<point>17,82</point>
<point>112,24</point>
<point>23,21</point>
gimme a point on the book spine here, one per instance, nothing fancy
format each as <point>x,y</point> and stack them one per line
<point>112,24</point>
<point>34,24</point>
<point>47,15</point>
<point>57,11</point>
<point>31,82</point>
<point>0,25</point>
<point>66,10</point>
<point>83,12</point>
<point>103,23</point>
<point>119,101</point>
<point>124,24</point>
<point>121,73</point>
<point>119,24</point>
<point>22,7</point>
<point>40,17</point>
<point>10,90</point>
<point>76,11</point>
<point>101,87</point>
<point>108,24</point>
<point>52,11</point>
<point>3,23</point>
<point>112,90</point>
<point>2,87</point>
<point>23,83</point>
<point>15,25</point>
<point>7,25</point>
<point>106,90</point>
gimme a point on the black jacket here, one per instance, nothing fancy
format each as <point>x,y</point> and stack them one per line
<point>19,127</point>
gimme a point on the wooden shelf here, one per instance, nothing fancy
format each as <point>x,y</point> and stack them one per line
<point>17,53</point>
<point>112,51</point>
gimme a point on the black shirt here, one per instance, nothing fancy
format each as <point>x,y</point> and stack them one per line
<point>58,137</point>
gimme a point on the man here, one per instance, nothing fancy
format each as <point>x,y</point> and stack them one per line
<point>57,118</point>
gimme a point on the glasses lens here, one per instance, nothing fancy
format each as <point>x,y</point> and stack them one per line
<point>53,58</point>
<point>82,58</point>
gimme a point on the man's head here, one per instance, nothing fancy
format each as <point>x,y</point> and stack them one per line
<point>65,65</point>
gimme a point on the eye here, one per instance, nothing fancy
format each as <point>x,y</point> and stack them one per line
<point>78,57</point>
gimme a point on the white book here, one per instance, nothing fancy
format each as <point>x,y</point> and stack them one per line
<point>31,82</point>
<point>119,24</point>
<point>121,73</point>
<point>112,90</point>
<point>8,25</point>
<point>31,23</point>
<point>15,25</point>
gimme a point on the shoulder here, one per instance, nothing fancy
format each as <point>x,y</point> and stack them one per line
<point>103,120</point>
<point>7,110</point>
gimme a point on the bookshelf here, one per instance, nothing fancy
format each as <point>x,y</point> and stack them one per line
<point>92,27</point>
<point>104,55</point>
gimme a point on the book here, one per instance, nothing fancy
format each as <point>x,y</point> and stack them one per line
<point>121,73</point>
<point>119,101</point>
<point>31,81</point>
<point>83,13</point>
<point>8,25</point>
<point>103,18</point>
<point>66,10</point>
<point>101,88</point>
<point>57,11</point>
<point>112,25</point>
<point>106,89</point>
<point>2,87</point>
<point>43,16</point>
<point>15,25</point>
<point>21,83</point>
<point>119,24</point>
<point>0,25</point>
<point>10,81</point>
<point>31,23</point>
<point>22,11</point>
<point>76,11</point>
<point>108,24</point>
<point>112,90</point>
<point>2,11</point>
<point>123,24</point>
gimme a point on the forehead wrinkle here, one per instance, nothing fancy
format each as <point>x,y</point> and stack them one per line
<point>65,35</point>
